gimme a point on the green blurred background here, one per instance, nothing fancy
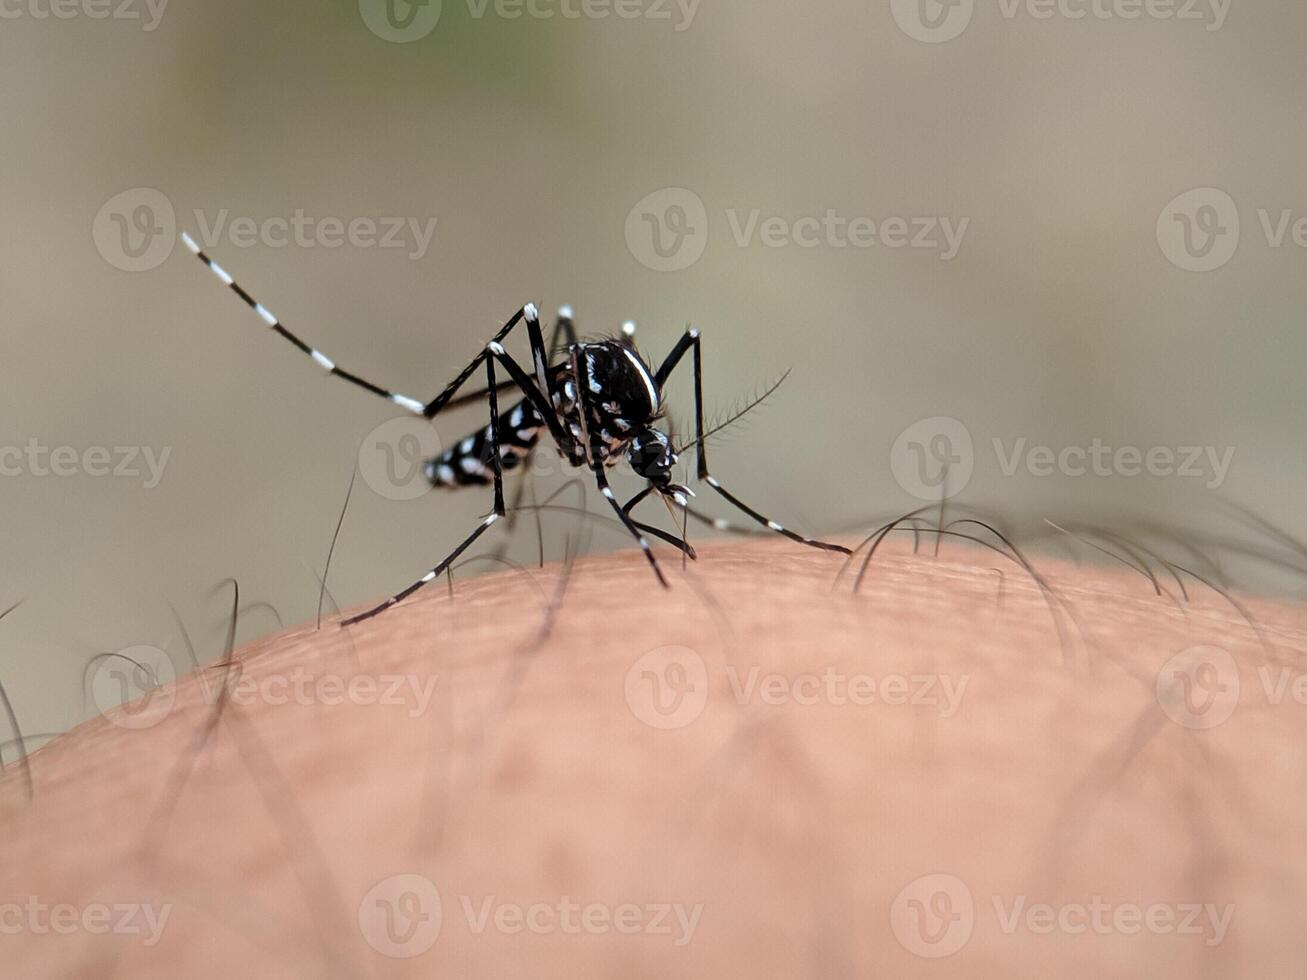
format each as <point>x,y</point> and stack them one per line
<point>1060,141</point>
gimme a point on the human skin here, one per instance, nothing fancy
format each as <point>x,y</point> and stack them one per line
<point>783,798</point>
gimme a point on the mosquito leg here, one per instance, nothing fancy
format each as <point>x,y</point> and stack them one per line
<point>690,342</point>
<point>266,315</point>
<point>564,336</point>
<point>428,410</point>
<point>596,461</point>
<point>564,332</point>
<point>679,543</point>
<point>498,512</point>
<point>601,478</point>
<point>719,523</point>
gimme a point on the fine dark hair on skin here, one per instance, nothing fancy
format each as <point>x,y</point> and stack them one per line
<point>18,740</point>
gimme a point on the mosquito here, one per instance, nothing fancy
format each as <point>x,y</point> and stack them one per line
<point>599,403</point>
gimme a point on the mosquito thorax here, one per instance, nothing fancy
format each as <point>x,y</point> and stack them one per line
<point>621,385</point>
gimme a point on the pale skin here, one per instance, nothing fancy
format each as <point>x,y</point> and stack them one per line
<point>586,807</point>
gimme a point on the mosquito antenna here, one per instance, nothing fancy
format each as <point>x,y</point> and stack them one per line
<point>739,413</point>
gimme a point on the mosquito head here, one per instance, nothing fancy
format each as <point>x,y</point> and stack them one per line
<point>651,456</point>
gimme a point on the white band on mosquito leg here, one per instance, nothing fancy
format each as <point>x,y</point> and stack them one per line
<point>403,401</point>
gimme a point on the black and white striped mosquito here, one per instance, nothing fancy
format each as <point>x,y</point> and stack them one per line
<point>598,403</point>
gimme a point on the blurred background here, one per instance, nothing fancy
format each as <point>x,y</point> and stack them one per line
<point>1054,226</point>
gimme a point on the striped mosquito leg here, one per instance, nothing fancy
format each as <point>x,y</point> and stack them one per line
<point>719,523</point>
<point>426,579</point>
<point>495,515</point>
<point>690,342</point>
<point>321,359</point>
<point>671,539</point>
<point>602,479</point>
<point>564,335</point>
<point>539,360</point>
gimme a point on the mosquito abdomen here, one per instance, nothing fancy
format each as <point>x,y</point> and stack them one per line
<point>467,463</point>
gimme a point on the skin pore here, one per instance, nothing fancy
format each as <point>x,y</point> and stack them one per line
<point>750,774</point>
